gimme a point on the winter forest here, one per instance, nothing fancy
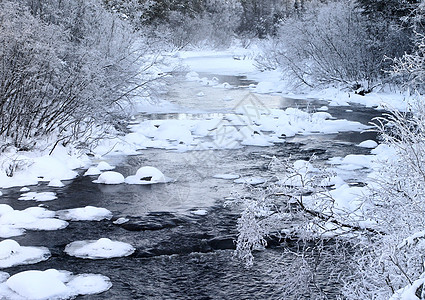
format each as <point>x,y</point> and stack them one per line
<point>212,149</point>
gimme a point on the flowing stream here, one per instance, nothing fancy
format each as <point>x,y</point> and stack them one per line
<point>181,255</point>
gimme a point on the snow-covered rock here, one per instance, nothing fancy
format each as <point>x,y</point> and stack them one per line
<point>110,177</point>
<point>147,175</point>
<point>100,249</point>
<point>13,254</point>
<point>52,284</point>
<point>88,213</point>
<point>368,144</point>
<point>15,222</point>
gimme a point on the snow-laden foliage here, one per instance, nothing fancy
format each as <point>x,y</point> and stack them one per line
<point>382,222</point>
<point>66,67</point>
<point>336,41</point>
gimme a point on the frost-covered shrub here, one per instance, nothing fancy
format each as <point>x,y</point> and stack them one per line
<point>66,68</point>
<point>330,42</point>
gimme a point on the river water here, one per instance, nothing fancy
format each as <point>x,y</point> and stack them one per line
<point>181,255</point>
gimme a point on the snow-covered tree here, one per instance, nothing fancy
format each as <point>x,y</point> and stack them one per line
<point>66,66</point>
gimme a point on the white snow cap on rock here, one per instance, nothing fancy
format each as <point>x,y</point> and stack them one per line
<point>13,254</point>
<point>14,222</point>
<point>147,175</point>
<point>52,284</point>
<point>100,249</point>
<point>88,213</point>
<point>110,177</point>
<point>368,144</point>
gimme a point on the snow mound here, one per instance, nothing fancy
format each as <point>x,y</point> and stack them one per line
<point>52,284</point>
<point>100,249</point>
<point>55,183</point>
<point>13,254</point>
<point>110,177</point>
<point>104,166</point>
<point>147,175</point>
<point>368,144</point>
<point>88,213</point>
<point>15,222</point>
<point>25,189</point>
<point>44,196</point>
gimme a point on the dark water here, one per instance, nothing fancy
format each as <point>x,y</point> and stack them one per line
<point>180,255</point>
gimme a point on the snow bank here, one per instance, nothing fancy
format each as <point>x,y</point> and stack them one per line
<point>100,249</point>
<point>13,254</point>
<point>88,213</point>
<point>52,284</point>
<point>32,167</point>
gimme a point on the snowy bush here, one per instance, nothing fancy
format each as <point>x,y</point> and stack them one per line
<point>332,41</point>
<point>67,67</point>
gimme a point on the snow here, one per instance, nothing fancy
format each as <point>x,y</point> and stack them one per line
<point>101,249</point>
<point>43,196</point>
<point>250,180</point>
<point>120,221</point>
<point>92,171</point>
<point>104,166</point>
<point>408,292</point>
<point>147,175</point>
<point>55,183</point>
<point>199,212</point>
<point>13,254</point>
<point>368,144</point>
<point>226,176</point>
<point>25,189</point>
<point>52,284</point>
<point>110,177</point>
<point>88,213</point>
<point>31,167</point>
<point>15,222</point>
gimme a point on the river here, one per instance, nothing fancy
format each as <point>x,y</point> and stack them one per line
<point>181,255</point>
